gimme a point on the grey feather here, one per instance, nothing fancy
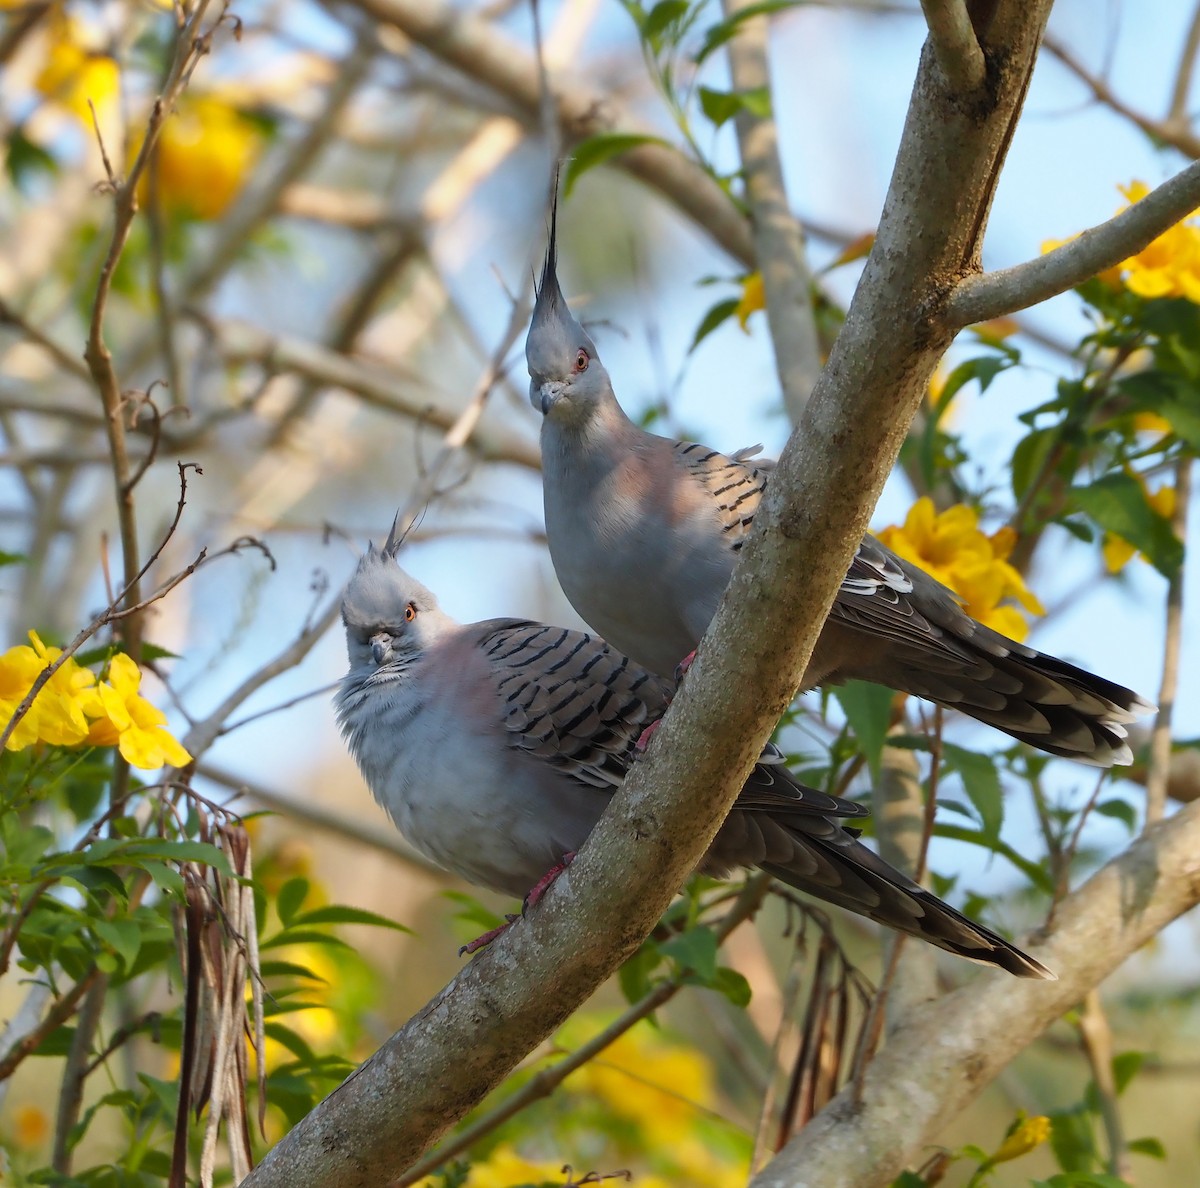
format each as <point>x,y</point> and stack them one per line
<point>644,532</point>
<point>495,747</point>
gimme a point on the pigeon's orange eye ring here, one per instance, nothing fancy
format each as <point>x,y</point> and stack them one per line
<point>582,359</point>
<point>410,613</point>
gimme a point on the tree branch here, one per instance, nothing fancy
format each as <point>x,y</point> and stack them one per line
<point>980,298</point>
<point>949,1050</point>
<point>778,235</point>
<point>659,824</point>
<point>488,56</point>
<point>955,44</point>
<point>375,383</point>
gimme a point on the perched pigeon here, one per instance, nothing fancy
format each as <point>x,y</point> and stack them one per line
<point>495,747</point>
<point>644,532</point>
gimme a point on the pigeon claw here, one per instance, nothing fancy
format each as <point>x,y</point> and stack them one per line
<point>481,942</point>
<point>681,669</point>
<point>543,884</point>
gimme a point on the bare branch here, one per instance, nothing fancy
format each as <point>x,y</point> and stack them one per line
<point>980,298</point>
<point>950,1049</point>
<point>955,44</point>
<point>1177,109</point>
<point>488,56</point>
<point>778,235</point>
<point>373,382</point>
<point>1167,131</point>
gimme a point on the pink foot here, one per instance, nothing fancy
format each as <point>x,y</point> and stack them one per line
<point>646,735</point>
<point>486,939</point>
<point>682,667</point>
<point>543,884</point>
<point>680,672</point>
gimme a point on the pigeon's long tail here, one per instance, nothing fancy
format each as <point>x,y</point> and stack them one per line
<point>1039,699</point>
<point>843,871</point>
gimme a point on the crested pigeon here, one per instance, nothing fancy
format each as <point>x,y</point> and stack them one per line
<point>644,532</point>
<point>495,747</point>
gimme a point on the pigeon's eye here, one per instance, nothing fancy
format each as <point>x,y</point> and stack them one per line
<point>410,612</point>
<point>582,359</point>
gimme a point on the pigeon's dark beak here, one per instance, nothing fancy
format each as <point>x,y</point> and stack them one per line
<point>547,395</point>
<point>381,647</point>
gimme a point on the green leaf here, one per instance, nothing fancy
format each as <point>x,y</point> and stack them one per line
<point>596,150</point>
<point>304,936</point>
<point>1032,870</point>
<point>123,935</point>
<point>908,1179</point>
<point>1118,504</point>
<point>733,985</point>
<point>1030,457</point>
<point>1072,1140</point>
<point>291,895</point>
<point>1126,1066</point>
<point>12,558</point>
<point>1149,1146</point>
<point>660,16</point>
<point>340,914</point>
<point>717,35</point>
<point>721,312</point>
<point>695,951</point>
<point>634,975</point>
<point>721,106</point>
<point>26,159</point>
<point>1120,810</point>
<point>868,709</point>
<point>982,782</point>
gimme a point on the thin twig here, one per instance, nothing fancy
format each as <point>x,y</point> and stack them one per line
<point>995,294</point>
<point>1158,768</point>
<point>1095,1034</point>
<point>1177,114</point>
<point>1172,132</point>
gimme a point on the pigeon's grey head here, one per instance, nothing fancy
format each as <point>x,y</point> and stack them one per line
<point>390,618</point>
<point>567,381</point>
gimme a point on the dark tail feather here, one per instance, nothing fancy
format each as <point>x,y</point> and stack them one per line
<point>863,883</point>
<point>1040,700</point>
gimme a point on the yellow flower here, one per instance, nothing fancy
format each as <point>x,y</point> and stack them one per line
<point>951,547</point>
<point>131,722</point>
<point>753,299</point>
<point>73,74</point>
<point>30,1126</point>
<point>205,151</point>
<point>1170,265</point>
<point>1118,552</point>
<point>650,1081</point>
<point>505,1167</point>
<point>57,715</point>
<point>1028,1134</point>
<point>1167,267</point>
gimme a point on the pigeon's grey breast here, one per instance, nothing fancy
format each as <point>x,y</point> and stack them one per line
<point>489,811</point>
<point>639,553</point>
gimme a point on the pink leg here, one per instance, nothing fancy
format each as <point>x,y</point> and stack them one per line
<point>486,939</point>
<point>536,892</point>
<point>680,672</point>
<point>543,884</point>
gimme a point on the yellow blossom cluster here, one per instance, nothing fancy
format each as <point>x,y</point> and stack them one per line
<point>206,148</point>
<point>206,151</point>
<point>658,1095</point>
<point>950,546</point>
<point>1167,267</point>
<point>74,709</point>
